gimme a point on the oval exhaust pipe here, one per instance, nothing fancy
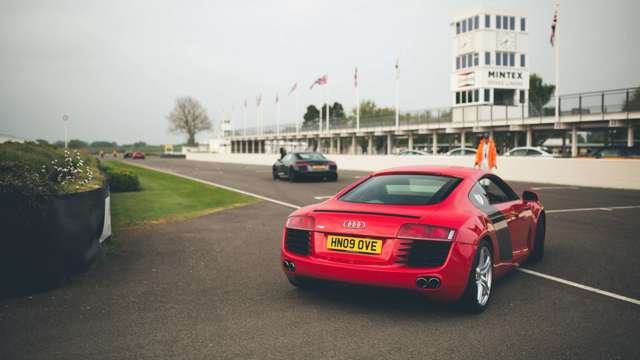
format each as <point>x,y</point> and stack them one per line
<point>289,265</point>
<point>429,282</point>
<point>422,283</point>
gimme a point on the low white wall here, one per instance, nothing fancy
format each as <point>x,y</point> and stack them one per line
<point>620,174</point>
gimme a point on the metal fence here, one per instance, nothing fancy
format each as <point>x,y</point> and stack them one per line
<point>587,103</point>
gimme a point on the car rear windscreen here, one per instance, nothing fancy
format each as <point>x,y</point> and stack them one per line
<point>402,189</point>
<point>310,156</point>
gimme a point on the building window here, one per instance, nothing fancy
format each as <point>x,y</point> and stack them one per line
<point>487,58</point>
<point>522,99</point>
<point>475,95</point>
<point>498,22</point>
<point>464,26</point>
<point>475,59</point>
<point>523,24</point>
<point>457,97</point>
<point>505,59</point>
<point>498,58</point>
<point>457,62</point>
<point>512,59</point>
<point>512,23</point>
<point>464,62</point>
<point>505,22</point>
<point>458,27</point>
<point>470,96</point>
<point>469,60</point>
<point>487,95</point>
<point>522,60</point>
<point>487,21</point>
<point>463,99</point>
<point>476,22</point>
<point>470,24</point>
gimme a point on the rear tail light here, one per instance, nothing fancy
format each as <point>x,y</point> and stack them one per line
<point>301,223</point>
<point>302,163</point>
<point>425,232</point>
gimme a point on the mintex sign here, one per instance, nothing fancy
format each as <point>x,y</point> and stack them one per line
<point>506,78</point>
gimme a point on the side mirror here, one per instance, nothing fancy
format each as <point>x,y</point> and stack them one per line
<point>530,196</point>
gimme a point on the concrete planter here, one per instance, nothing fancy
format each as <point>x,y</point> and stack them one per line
<point>46,242</point>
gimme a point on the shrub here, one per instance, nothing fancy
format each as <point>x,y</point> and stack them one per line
<point>35,170</point>
<point>122,180</point>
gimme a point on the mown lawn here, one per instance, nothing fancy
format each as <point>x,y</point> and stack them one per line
<point>165,198</point>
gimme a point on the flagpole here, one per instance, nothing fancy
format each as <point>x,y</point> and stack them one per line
<point>357,101</point>
<point>556,47</point>
<point>244,119</point>
<point>326,114</point>
<point>277,116</point>
<point>397,95</point>
<point>297,120</point>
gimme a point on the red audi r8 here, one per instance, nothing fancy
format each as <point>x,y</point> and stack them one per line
<point>447,232</point>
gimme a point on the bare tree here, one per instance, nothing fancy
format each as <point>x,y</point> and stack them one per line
<point>188,117</point>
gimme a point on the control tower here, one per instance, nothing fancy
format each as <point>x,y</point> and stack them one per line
<point>489,64</point>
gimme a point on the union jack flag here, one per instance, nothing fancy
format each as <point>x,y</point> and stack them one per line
<point>293,88</point>
<point>554,23</point>
<point>355,77</point>
<point>322,80</point>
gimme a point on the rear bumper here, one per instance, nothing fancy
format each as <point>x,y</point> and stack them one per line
<point>453,274</point>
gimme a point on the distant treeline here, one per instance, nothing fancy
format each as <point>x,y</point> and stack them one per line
<point>109,146</point>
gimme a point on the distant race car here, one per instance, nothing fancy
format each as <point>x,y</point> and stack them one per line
<point>528,151</point>
<point>127,155</point>
<point>298,165</point>
<point>137,155</point>
<point>461,151</point>
<point>446,232</point>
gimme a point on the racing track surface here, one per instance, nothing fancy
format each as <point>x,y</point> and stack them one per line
<point>212,288</point>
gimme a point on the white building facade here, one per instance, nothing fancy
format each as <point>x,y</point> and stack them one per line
<point>490,74</point>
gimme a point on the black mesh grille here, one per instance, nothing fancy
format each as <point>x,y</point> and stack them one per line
<point>298,241</point>
<point>423,253</point>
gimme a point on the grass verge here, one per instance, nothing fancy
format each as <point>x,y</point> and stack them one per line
<point>165,198</point>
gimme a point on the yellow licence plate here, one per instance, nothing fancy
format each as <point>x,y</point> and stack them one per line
<point>359,245</point>
<point>319,167</point>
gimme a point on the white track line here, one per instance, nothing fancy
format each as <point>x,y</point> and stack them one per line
<point>555,188</point>
<point>580,286</point>
<point>609,208</point>
<point>221,186</point>
<point>526,271</point>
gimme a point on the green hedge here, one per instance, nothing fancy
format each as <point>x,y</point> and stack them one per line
<point>121,180</point>
<point>35,170</point>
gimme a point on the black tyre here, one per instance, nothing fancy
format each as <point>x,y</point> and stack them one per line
<point>477,295</point>
<point>274,173</point>
<point>538,244</point>
<point>304,283</point>
<point>334,177</point>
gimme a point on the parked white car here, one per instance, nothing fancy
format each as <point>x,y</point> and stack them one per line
<point>413,152</point>
<point>461,151</point>
<point>528,151</point>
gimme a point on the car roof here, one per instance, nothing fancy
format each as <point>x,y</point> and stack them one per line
<point>454,171</point>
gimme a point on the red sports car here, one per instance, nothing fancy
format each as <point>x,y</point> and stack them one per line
<point>447,232</point>
<point>137,155</point>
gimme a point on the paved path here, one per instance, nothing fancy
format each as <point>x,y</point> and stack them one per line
<point>211,288</point>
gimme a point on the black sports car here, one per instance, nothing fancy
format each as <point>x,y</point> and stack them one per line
<point>297,165</point>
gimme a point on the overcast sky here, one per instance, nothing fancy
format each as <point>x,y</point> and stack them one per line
<point>116,67</point>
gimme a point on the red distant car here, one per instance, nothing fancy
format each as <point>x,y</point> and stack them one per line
<point>446,232</point>
<point>137,155</point>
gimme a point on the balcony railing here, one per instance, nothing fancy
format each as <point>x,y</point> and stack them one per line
<point>581,104</point>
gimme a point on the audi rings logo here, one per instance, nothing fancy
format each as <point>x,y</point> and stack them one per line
<point>354,224</point>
